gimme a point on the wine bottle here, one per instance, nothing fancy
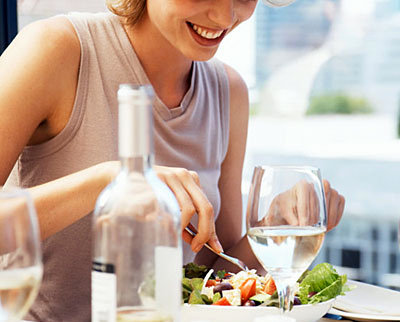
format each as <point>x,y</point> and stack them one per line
<point>137,255</point>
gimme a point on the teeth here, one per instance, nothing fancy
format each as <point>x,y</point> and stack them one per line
<point>206,33</point>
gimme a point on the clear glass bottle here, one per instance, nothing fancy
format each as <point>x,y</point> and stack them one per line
<point>137,259</point>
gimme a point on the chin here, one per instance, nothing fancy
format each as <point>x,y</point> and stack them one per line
<point>200,55</point>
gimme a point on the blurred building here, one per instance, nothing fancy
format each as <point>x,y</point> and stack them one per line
<point>387,7</point>
<point>323,47</point>
<point>367,60</point>
<point>320,47</point>
<point>282,34</point>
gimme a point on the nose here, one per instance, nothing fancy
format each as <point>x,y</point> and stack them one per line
<point>223,13</point>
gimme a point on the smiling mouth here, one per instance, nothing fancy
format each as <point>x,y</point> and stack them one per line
<point>206,33</point>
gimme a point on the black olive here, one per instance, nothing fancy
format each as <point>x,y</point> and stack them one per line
<point>296,301</point>
<point>222,287</point>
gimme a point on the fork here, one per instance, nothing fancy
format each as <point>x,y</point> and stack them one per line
<point>233,260</point>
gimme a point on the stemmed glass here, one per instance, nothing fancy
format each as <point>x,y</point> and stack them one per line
<point>286,223</point>
<point>20,254</point>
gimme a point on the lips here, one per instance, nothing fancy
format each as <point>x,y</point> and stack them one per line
<point>206,37</point>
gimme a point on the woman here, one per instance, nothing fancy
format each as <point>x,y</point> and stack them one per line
<point>58,128</point>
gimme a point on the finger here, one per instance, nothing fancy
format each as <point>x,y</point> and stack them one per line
<point>195,177</point>
<point>187,237</point>
<point>303,199</point>
<point>205,211</point>
<point>333,209</point>
<point>184,200</point>
<point>212,241</point>
<point>340,209</point>
<point>274,218</point>
<point>314,207</point>
<point>206,225</point>
<point>285,207</point>
<point>327,190</point>
<point>192,228</point>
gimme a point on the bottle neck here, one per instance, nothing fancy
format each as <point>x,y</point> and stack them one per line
<point>135,128</point>
<point>139,163</point>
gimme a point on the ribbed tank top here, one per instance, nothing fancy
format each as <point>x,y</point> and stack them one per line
<point>193,135</point>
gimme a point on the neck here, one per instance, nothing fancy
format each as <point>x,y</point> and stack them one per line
<point>167,69</point>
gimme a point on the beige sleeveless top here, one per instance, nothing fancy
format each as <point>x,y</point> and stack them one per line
<point>193,135</point>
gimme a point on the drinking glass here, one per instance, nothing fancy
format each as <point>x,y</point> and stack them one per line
<point>20,255</point>
<point>286,223</point>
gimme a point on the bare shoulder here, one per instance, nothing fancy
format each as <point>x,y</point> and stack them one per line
<point>58,28</point>
<point>49,37</point>
<point>239,95</point>
<point>42,63</point>
<point>43,51</point>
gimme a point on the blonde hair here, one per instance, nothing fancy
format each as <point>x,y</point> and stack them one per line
<point>132,10</point>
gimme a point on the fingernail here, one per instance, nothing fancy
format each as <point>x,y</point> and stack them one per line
<point>219,246</point>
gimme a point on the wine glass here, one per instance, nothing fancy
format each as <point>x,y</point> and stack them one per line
<point>286,223</point>
<point>20,254</point>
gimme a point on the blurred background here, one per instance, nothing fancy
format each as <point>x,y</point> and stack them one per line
<point>324,81</point>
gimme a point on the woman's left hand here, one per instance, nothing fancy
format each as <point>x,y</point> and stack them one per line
<point>334,205</point>
<point>299,206</point>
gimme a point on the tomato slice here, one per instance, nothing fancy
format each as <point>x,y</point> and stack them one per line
<point>270,286</point>
<point>248,289</point>
<point>222,301</point>
<point>211,283</point>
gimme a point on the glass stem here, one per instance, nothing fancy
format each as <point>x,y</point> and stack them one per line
<point>285,297</point>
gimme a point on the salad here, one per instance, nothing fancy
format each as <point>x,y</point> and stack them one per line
<point>201,285</point>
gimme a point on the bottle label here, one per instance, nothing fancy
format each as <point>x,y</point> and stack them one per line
<point>104,293</point>
<point>168,264</point>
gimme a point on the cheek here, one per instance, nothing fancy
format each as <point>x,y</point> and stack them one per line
<point>246,11</point>
<point>158,12</point>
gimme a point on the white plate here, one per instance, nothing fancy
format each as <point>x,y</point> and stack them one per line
<point>216,313</point>
<point>364,317</point>
<point>368,302</point>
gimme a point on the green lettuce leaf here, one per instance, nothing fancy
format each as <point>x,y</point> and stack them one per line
<point>196,298</point>
<point>221,274</point>
<point>216,297</point>
<point>324,282</point>
<point>260,298</point>
<point>196,283</point>
<point>192,270</point>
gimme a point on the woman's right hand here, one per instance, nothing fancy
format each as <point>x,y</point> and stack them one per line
<point>192,200</point>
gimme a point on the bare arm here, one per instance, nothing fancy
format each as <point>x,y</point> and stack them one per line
<point>62,202</point>
<point>38,77</point>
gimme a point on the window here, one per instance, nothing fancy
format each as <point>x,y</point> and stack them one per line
<point>8,23</point>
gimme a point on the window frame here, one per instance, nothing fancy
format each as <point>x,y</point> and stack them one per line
<point>8,23</point>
